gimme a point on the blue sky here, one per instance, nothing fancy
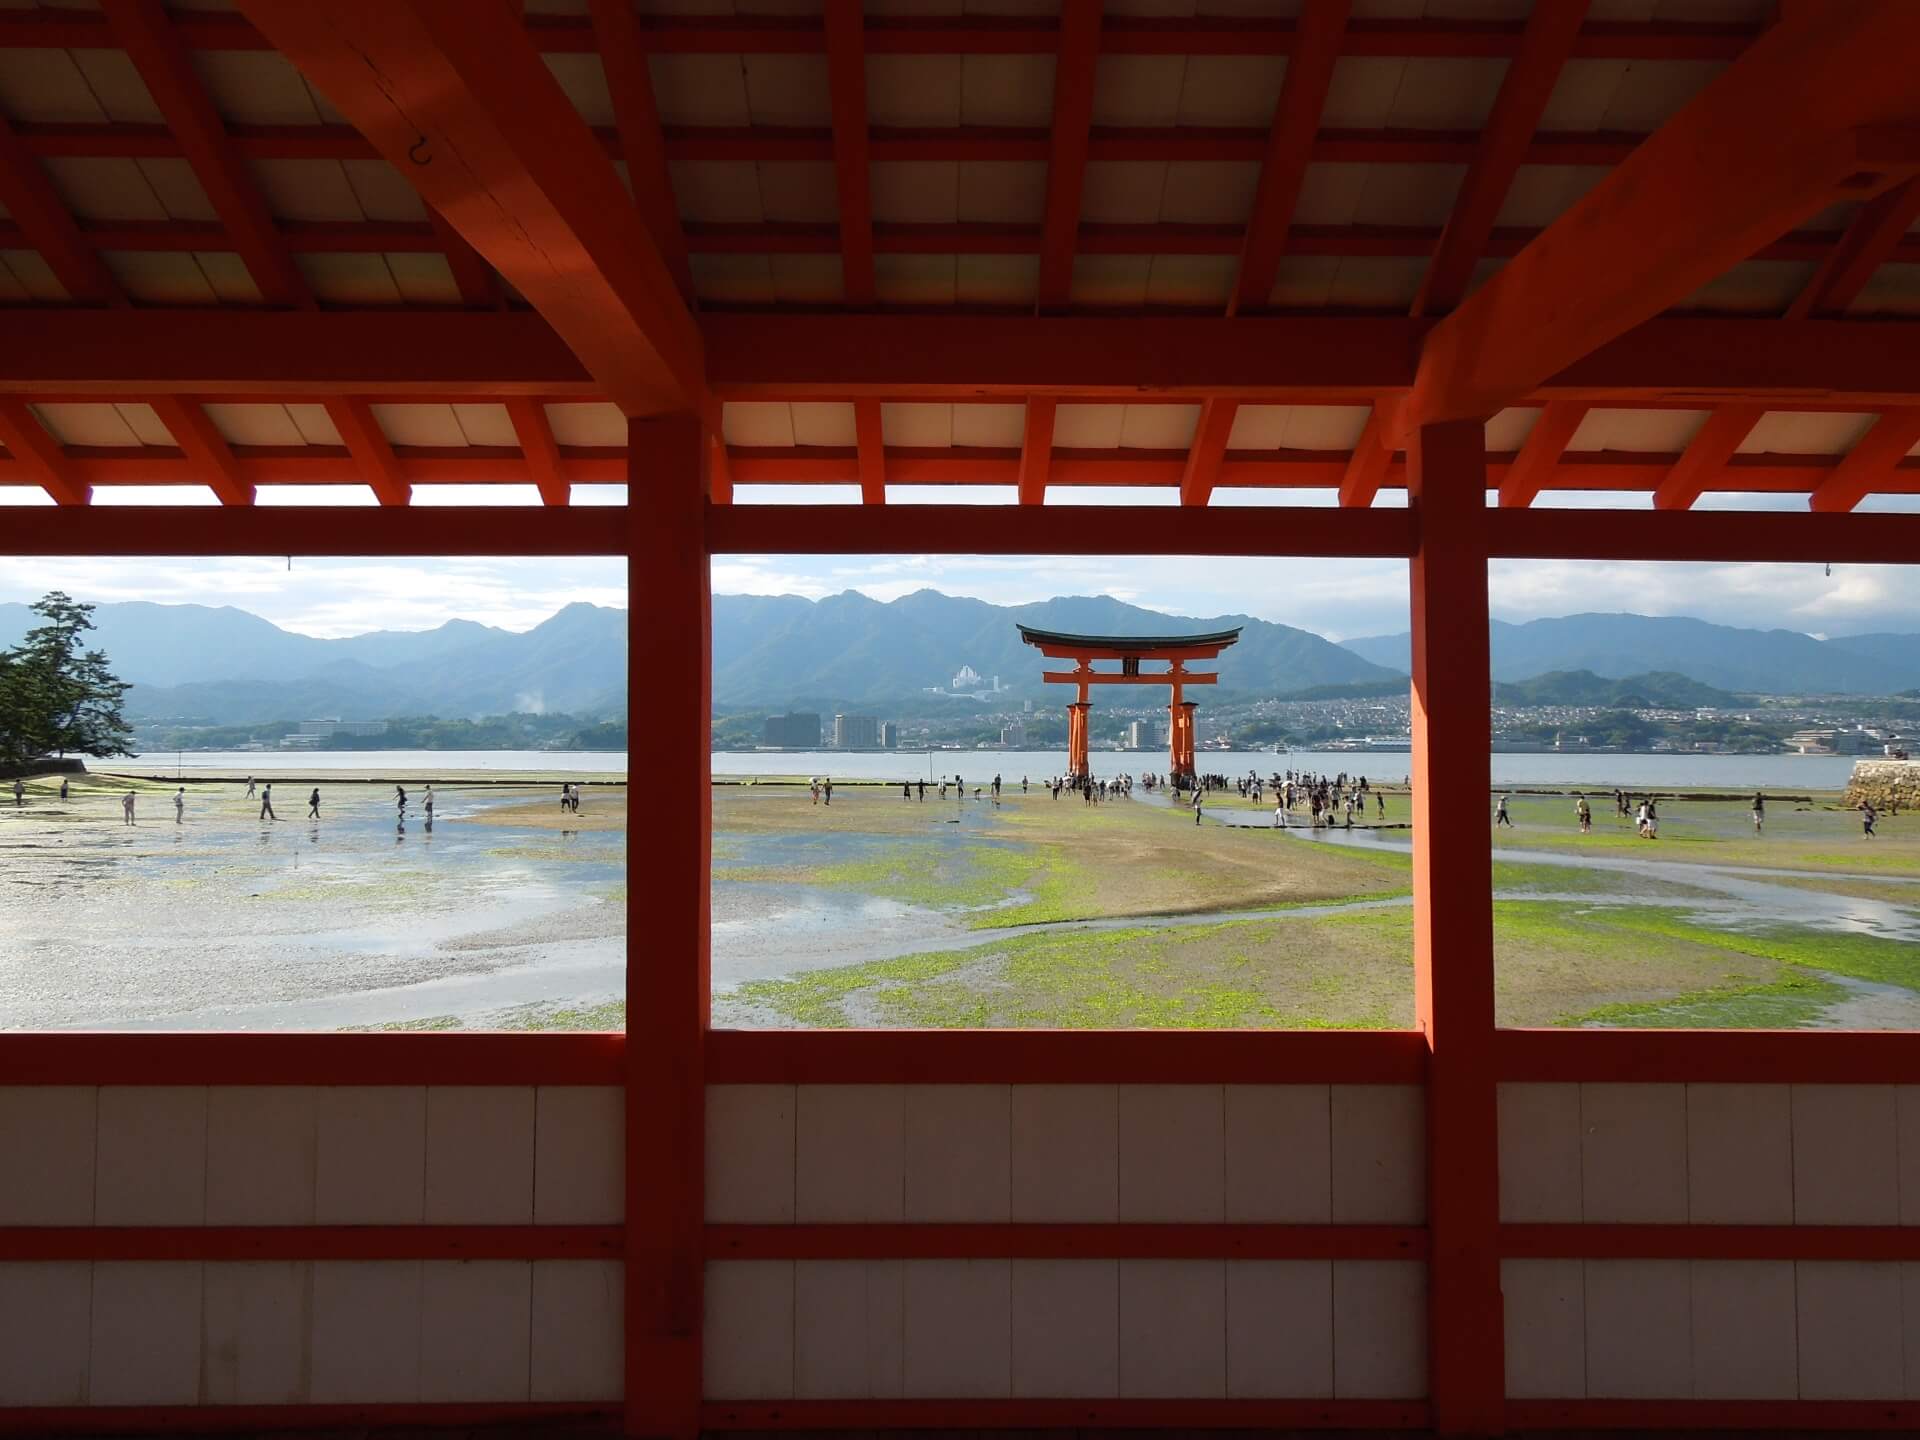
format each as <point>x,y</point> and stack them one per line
<point>1338,598</point>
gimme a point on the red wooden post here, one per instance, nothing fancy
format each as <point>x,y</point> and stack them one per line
<point>1453,923</point>
<point>669,639</point>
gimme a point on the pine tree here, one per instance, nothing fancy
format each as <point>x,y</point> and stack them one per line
<point>55,697</point>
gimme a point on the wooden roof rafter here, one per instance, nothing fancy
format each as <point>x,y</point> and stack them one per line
<point>38,456</point>
<point>370,448</point>
<point>541,453</point>
<point>205,448</point>
<point>619,37</point>
<point>1069,137</point>
<point>43,223</point>
<point>853,177</point>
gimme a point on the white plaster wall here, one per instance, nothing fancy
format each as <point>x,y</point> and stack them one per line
<point>1710,1154</point>
<point>309,1332</point>
<point>986,1154</point>
<point>334,1155</point>
<point>952,1329</point>
<point>1712,1329</point>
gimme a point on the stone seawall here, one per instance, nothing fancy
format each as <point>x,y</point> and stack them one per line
<point>1882,781</point>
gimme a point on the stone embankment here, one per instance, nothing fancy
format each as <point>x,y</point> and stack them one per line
<point>1885,781</point>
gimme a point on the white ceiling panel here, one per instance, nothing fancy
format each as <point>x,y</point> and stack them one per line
<point>29,277</point>
<point>256,87</point>
<point>799,194</point>
<point>1110,280</point>
<point>144,424</point>
<point>1209,192</point>
<point>598,424</point>
<point>1137,89</point>
<point>434,425</point>
<point>997,279</point>
<point>732,279</point>
<point>1408,194</point>
<point>1150,9</point>
<point>486,425</point>
<point>989,427</point>
<point>918,425</point>
<point>104,189</point>
<point>1158,427</point>
<point>1303,282</point>
<point>1007,90</point>
<point>350,279</point>
<point>307,189</point>
<point>46,87</point>
<point>255,425</point>
<point>383,192</point>
<point>1330,194</point>
<point>824,422</point>
<point>1002,193</point>
<point>1088,427</point>
<point>913,90</point>
<point>1651,92</point>
<point>229,277</point>
<point>1231,89</point>
<point>422,278</point>
<point>1509,429</point>
<point>1803,432</point>
<point>700,89</point>
<point>583,79</point>
<point>1445,94</point>
<point>916,192</point>
<point>1191,280</point>
<point>314,425</point>
<point>1297,427</point>
<point>1360,96</point>
<point>1541,194</point>
<point>808,279</point>
<point>1757,287</point>
<point>1123,192</point>
<point>718,192</point>
<point>86,424</point>
<point>788,90</point>
<point>1654,432</point>
<point>117,86</point>
<point>757,423</point>
<point>1893,290</point>
<point>915,279</point>
<point>1372,282</point>
<point>160,277</point>
<point>177,188</point>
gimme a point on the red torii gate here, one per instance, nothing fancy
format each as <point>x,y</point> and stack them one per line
<point>1130,650</point>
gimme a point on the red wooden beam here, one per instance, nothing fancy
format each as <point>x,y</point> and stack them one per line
<point>1371,455</point>
<point>371,450</point>
<point>575,1417</point>
<point>1073,76</point>
<point>1296,123</point>
<point>1198,1241</point>
<point>1719,535</point>
<point>1711,1242</point>
<point>620,39</point>
<point>45,225</point>
<point>204,446</point>
<point>39,455</point>
<point>870,452</point>
<point>1089,1416</point>
<point>317,530</point>
<point>1687,204</point>
<point>459,102</point>
<point>1731,1057</point>
<point>475,279</point>
<point>1524,91</point>
<point>145,31</point>
<point>719,470</point>
<point>1208,450</point>
<point>853,183</point>
<point>1036,451</point>
<point>530,426</point>
<point>1869,242</point>
<point>1533,468</point>
<point>311,1242</point>
<point>1804,1417</point>
<point>1706,454</point>
<point>1868,466</point>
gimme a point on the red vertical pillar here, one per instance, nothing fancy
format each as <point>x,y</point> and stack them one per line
<point>1453,924</point>
<point>669,641</point>
<point>1078,763</point>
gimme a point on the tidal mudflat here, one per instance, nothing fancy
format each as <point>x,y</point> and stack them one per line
<point>502,914</point>
<point>1037,912</point>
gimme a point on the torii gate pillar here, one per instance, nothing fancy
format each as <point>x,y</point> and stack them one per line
<point>1078,765</point>
<point>1180,737</point>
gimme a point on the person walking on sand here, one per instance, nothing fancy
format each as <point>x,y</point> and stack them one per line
<point>266,802</point>
<point>313,804</point>
<point>400,799</point>
<point>249,794</point>
<point>63,789</point>
<point>179,805</point>
<point>1584,813</point>
<point>923,792</point>
<point>19,792</point>
<point>906,790</point>
<point>126,808</point>
<point>1759,812</point>
<point>1500,816</point>
<point>1279,812</point>
<point>826,789</point>
<point>1197,804</point>
<point>1867,816</point>
<point>813,788</point>
<point>427,803</point>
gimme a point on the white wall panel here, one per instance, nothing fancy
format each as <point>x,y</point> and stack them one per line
<point>1066,1328</point>
<point>1639,1329</point>
<point>370,1166</point>
<point>366,1331</point>
<point>151,1166</point>
<point>958,1153</point>
<point>578,1330</point>
<point>47,1147</point>
<point>1172,1153</point>
<point>1379,1329</point>
<point>580,1155</point>
<point>1849,1328</point>
<point>1546,1328</point>
<point>1379,1154</point>
<point>849,1321</point>
<point>1066,1152</point>
<point>1279,1154</point>
<point>1743,1330</point>
<point>1633,1154</point>
<point>1540,1154</point>
<point>1173,1328</point>
<point>1845,1166</point>
<point>849,1153</point>
<point>1279,1328</point>
<point>747,1344</point>
<point>45,1332</point>
<point>146,1333</point>
<point>1739,1155</point>
<point>958,1328</point>
<point>255,1325</point>
<point>475,1316</point>
<point>261,1143</point>
<point>750,1154</point>
<point>479,1155</point>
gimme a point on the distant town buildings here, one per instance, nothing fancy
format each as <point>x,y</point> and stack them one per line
<point>1143,735</point>
<point>889,735</point>
<point>797,731</point>
<point>856,732</point>
<point>337,726</point>
<point>1013,735</point>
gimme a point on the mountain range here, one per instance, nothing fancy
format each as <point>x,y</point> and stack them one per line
<point>1774,662</point>
<point>227,666</point>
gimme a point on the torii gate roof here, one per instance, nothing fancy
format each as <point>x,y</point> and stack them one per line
<point>1138,644</point>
